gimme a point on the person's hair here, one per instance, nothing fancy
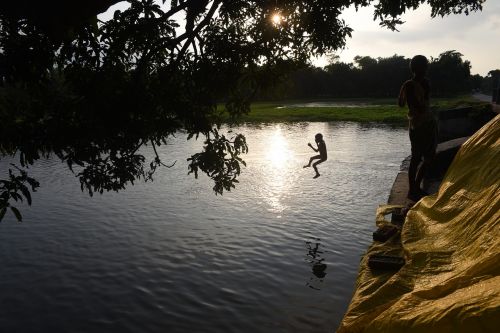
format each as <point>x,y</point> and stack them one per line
<point>318,136</point>
<point>419,64</point>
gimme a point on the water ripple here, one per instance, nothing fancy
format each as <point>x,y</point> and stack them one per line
<point>277,254</point>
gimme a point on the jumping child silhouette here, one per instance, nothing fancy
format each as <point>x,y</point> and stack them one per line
<point>322,153</point>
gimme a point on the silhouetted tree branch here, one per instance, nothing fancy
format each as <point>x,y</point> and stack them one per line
<point>90,92</point>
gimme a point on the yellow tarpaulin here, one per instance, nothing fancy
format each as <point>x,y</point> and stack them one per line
<point>451,244</point>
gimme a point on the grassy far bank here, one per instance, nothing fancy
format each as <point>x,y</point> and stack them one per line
<point>374,110</point>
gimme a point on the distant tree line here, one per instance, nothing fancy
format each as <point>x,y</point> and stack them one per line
<point>381,77</point>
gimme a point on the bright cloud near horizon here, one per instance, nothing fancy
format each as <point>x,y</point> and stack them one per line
<point>476,36</point>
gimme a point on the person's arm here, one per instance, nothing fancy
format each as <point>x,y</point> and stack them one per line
<point>402,95</point>
<point>310,145</point>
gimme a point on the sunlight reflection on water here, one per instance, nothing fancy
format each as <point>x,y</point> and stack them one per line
<point>278,152</point>
<point>276,176</point>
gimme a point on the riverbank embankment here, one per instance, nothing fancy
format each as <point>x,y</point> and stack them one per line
<point>381,110</point>
<point>450,242</point>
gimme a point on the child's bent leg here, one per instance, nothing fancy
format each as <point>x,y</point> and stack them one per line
<point>310,161</point>
<point>316,169</point>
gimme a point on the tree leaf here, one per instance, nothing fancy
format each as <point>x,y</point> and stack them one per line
<point>16,196</point>
<point>17,213</point>
<point>2,213</point>
<point>26,194</point>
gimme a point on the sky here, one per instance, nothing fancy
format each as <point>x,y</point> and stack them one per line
<point>476,36</point>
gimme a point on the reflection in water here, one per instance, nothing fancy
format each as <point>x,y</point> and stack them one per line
<point>278,170</point>
<point>318,267</point>
<point>278,153</point>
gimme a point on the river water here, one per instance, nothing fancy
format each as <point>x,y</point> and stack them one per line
<point>279,253</point>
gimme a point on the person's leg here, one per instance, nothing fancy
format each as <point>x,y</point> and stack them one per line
<point>429,142</point>
<point>412,175</point>
<point>422,171</point>
<point>312,159</point>
<point>316,169</point>
<point>416,158</point>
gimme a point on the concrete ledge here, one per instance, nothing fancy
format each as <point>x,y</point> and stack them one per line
<point>461,122</point>
<point>399,190</point>
<point>454,113</point>
<point>445,153</point>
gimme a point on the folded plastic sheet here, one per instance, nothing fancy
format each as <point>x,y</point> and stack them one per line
<point>451,244</point>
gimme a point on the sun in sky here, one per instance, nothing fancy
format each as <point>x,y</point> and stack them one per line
<point>471,35</point>
<point>276,18</point>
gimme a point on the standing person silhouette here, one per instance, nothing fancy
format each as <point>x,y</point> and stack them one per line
<point>322,153</point>
<point>422,125</point>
